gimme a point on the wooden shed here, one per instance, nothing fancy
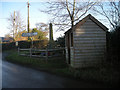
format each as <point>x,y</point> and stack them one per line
<point>85,44</point>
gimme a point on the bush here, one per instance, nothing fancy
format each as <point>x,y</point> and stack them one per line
<point>114,46</point>
<point>24,44</point>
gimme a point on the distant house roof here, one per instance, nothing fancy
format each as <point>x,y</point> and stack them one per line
<point>81,22</point>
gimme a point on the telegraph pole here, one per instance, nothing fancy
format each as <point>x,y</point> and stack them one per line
<point>14,27</point>
<point>28,18</point>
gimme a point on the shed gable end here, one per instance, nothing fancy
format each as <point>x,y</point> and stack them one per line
<point>89,26</point>
<point>89,43</point>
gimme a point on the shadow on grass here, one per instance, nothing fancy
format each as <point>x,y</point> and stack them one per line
<point>105,74</point>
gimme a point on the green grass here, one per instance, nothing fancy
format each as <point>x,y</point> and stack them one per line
<point>105,74</point>
<point>36,62</point>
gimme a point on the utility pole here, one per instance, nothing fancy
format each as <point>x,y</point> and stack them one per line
<point>14,27</point>
<point>28,18</point>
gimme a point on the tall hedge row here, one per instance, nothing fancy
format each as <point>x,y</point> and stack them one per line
<point>114,45</point>
<point>24,44</point>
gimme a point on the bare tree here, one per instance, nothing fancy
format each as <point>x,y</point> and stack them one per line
<point>66,13</point>
<point>42,26</point>
<point>16,23</point>
<point>110,10</point>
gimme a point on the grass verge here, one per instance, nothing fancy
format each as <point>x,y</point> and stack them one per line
<point>106,74</point>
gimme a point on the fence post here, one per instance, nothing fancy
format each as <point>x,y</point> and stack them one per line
<point>46,55</point>
<point>30,52</point>
<point>18,50</point>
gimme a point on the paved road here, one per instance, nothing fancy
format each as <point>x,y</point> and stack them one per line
<point>16,76</point>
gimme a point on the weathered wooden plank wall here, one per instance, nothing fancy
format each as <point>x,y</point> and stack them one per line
<point>89,44</point>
